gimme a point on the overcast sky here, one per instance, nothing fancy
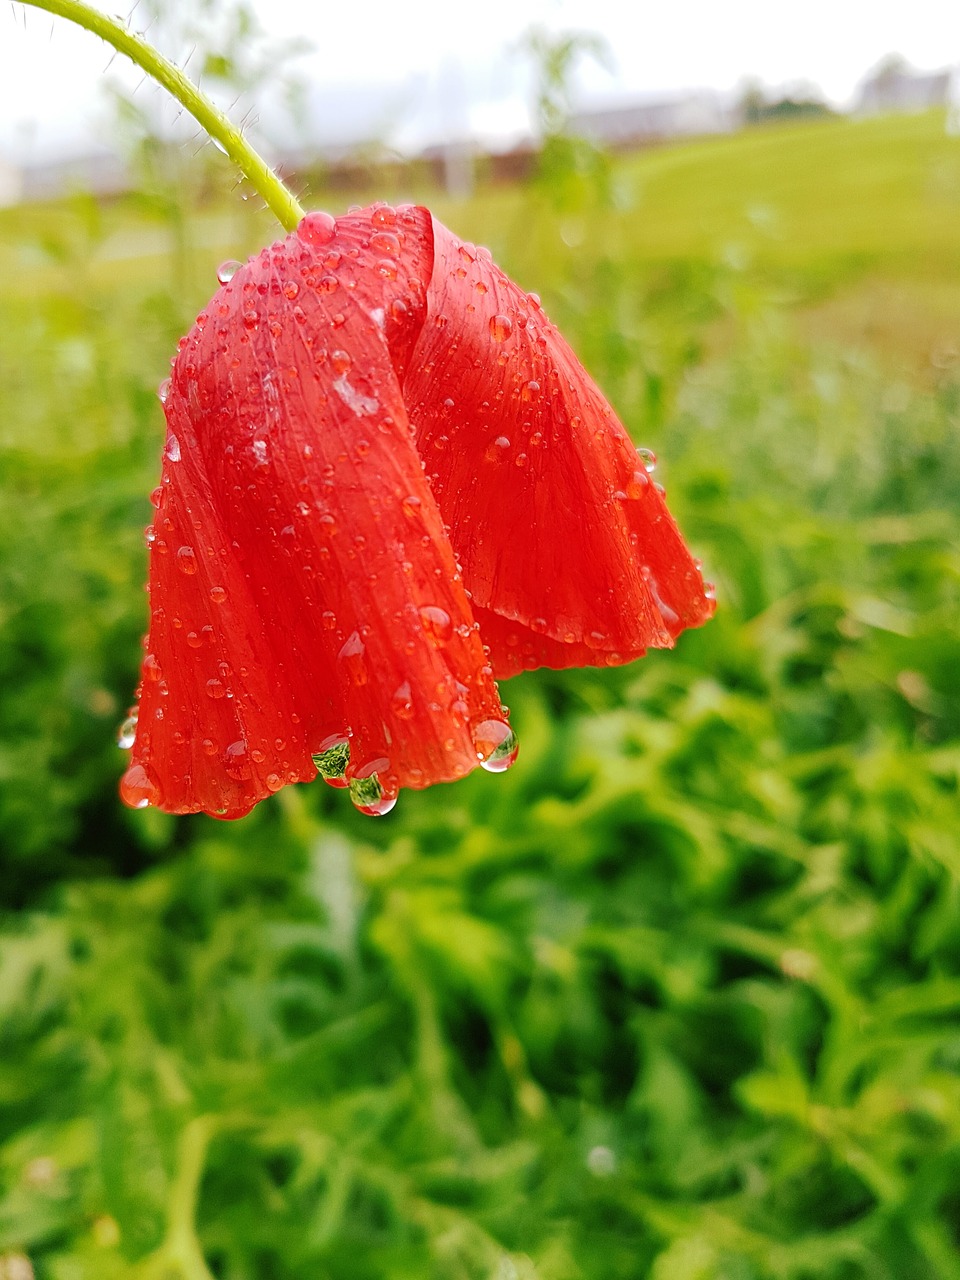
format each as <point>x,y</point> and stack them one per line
<point>409,65</point>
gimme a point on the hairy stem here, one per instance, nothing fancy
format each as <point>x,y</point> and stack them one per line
<point>210,117</point>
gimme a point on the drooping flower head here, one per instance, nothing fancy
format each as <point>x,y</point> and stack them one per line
<point>386,481</point>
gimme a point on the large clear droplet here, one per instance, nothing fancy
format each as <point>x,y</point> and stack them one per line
<point>496,744</point>
<point>227,270</point>
<point>648,458</point>
<point>127,733</point>
<point>368,793</point>
<point>331,760</point>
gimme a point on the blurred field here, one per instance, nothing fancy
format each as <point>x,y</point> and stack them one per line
<point>675,999</point>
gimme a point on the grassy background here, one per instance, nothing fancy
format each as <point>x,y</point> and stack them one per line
<point>676,998</point>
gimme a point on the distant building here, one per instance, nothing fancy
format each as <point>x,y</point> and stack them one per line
<point>636,123</point>
<point>893,86</point>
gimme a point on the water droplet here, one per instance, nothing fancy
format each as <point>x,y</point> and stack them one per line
<point>411,505</point>
<point>496,744</point>
<point>387,268</point>
<point>385,242</point>
<point>648,458</point>
<point>531,391</point>
<point>494,452</point>
<point>157,496</point>
<point>218,594</point>
<point>251,318</point>
<point>367,791</point>
<point>236,762</point>
<point>317,228</point>
<point>216,690</point>
<point>384,216</point>
<point>163,391</point>
<point>172,451</point>
<point>341,361</point>
<point>151,668</point>
<point>436,624</point>
<point>127,734</point>
<point>136,789</point>
<point>274,781</point>
<point>194,640</point>
<point>501,327</point>
<point>636,485</point>
<point>291,289</point>
<point>227,270</point>
<point>187,561</point>
<point>331,760</point>
<point>402,702</point>
<point>351,657</point>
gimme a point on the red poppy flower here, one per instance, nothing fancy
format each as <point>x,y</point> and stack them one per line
<point>323,600</point>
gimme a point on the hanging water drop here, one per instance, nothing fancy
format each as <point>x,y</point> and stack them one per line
<point>496,745</point>
<point>136,789</point>
<point>649,459</point>
<point>163,391</point>
<point>331,759</point>
<point>369,794</point>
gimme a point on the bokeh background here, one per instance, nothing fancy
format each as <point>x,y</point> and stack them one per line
<point>677,998</point>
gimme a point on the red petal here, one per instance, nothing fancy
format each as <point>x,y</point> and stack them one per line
<point>567,547</point>
<point>302,586</point>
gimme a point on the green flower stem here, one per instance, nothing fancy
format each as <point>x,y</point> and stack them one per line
<point>209,117</point>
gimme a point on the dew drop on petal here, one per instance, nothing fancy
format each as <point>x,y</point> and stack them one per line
<point>331,759</point>
<point>496,745</point>
<point>385,242</point>
<point>136,789</point>
<point>436,624</point>
<point>648,458</point>
<point>172,451</point>
<point>227,270</point>
<point>401,704</point>
<point>501,327</point>
<point>317,228</point>
<point>163,391</point>
<point>291,289</point>
<point>411,505</point>
<point>218,594</point>
<point>187,561</point>
<point>216,690</point>
<point>637,484</point>
<point>351,658</point>
<point>151,668</point>
<point>236,762</point>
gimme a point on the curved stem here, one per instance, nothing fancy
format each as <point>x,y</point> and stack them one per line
<point>211,118</point>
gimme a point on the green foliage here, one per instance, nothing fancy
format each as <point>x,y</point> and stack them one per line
<point>677,998</point>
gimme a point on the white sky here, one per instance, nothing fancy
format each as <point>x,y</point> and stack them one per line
<point>51,75</point>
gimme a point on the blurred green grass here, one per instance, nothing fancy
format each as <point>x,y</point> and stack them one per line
<point>676,998</point>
